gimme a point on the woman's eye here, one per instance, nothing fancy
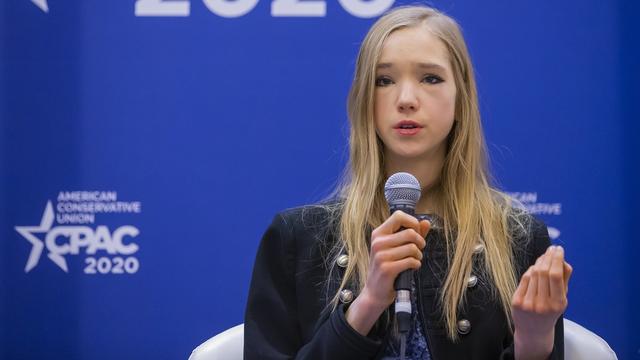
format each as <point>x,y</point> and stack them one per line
<point>432,79</point>
<point>383,81</point>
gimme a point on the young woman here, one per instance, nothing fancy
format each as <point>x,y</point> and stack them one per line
<point>487,284</point>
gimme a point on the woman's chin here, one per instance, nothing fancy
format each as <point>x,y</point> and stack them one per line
<point>405,154</point>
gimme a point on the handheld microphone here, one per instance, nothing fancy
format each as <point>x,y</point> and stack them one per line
<point>402,191</point>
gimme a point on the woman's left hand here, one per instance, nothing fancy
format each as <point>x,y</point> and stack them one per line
<point>538,302</point>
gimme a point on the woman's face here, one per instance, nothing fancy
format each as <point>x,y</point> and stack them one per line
<point>414,96</point>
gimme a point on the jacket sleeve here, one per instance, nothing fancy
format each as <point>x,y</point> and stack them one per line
<point>271,325</point>
<point>534,249</point>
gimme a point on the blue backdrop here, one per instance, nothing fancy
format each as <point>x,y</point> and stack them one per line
<point>145,146</point>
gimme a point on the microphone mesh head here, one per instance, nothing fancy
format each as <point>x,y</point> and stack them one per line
<point>402,188</point>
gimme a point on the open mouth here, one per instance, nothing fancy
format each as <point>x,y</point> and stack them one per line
<point>407,125</point>
<point>407,128</point>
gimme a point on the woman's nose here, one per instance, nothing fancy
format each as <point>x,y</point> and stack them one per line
<point>407,98</point>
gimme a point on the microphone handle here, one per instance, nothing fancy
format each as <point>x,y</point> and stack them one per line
<point>403,281</point>
<point>402,284</point>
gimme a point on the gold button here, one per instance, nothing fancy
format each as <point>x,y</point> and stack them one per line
<point>478,248</point>
<point>343,260</point>
<point>346,296</point>
<point>472,281</point>
<point>464,327</point>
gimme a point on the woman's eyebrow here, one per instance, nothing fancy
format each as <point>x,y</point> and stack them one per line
<point>422,65</point>
<point>431,66</point>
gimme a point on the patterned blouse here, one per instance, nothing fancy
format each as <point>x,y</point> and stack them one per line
<point>416,341</point>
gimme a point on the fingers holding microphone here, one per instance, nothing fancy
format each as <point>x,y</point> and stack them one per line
<point>396,246</point>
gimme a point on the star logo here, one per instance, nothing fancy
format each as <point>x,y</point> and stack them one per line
<point>554,233</point>
<point>42,4</point>
<point>38,245</point>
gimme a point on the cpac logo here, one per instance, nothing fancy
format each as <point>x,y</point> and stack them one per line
<point>63,240</point>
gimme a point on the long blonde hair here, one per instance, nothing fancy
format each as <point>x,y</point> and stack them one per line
<point>472,210</point>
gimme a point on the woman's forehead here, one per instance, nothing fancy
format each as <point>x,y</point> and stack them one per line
<point>414,46</point>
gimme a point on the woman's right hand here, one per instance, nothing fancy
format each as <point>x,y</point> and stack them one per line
<point>392,252</point>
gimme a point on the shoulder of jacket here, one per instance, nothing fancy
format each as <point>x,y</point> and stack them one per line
<point>310,215</point>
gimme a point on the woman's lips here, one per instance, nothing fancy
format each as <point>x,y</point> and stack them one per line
<point>410,131</point>
<point>407,127</point>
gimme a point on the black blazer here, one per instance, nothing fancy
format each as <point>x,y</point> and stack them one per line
<point>287,315</point>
